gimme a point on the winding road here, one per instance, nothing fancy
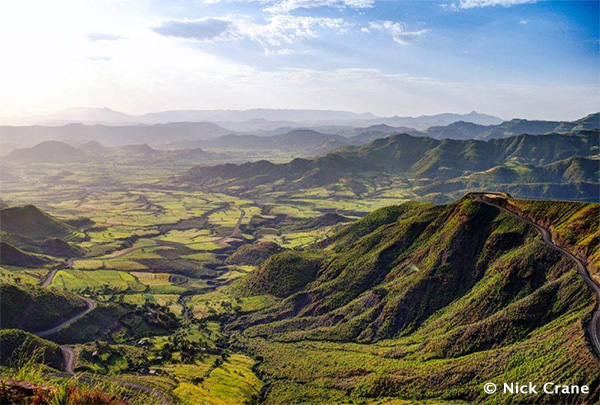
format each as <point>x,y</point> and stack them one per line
<point>91,304</point>
<point>594,326</point>
<point>49,278</point>
<point>69,355</point>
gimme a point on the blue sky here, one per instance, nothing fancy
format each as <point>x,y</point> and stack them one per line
<point>512,58</point>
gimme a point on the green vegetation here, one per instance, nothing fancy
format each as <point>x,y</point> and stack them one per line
<point>410,295</point>
<point>30,222</point>
<point>282,274</point>
<point>570,224</point>
<point>306,302</point>
<point>35,309</point>
<point>230,383</point>
<point>15,345</point>
<point>12,256</point>
<point>26,380</point>
<point>254,254</point>
<point>105,280</point>
<point>549,165</point>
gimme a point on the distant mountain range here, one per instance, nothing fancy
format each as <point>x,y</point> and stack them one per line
<point>113,135</point>
<point>296,140</point>
<point>469,130</point>
<point>431,165</point>
<point>247,120</point>
<point>307,140</point>
<point>60,152</point>
<point>310,140</point>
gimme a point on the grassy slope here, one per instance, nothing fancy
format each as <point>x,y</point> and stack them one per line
<point>14,256</point>
<point>35,309</point>
<point>556,165</point>
<point>430,305</point>
<point>30,222</point>
<point>254,254</point>
<point>574,225</point>
<point>16,344</point>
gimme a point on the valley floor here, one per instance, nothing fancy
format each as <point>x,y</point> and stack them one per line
<point>161,310</point>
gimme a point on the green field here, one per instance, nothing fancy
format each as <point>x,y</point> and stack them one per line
<point>178,313</point>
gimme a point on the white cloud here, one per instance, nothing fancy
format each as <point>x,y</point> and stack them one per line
<point>204,29</point>
<point>398,31</point>
<point>284,29</point>
<point>62,67</point>
<point>276,35</point>
<point>285,6</point>
<point>465,4</point>
<point>95,37</point>
<point>98,58</point>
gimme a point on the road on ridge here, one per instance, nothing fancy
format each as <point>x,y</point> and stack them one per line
<point>91,304</point>
<point>49,278</point>
<point>69,355</point>
<point>594,326</point>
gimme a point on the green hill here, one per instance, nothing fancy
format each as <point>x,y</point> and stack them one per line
<point>35,309</point>
<point>282,274</point>
<point>17,346</point>
<point>297,174</point>
<point>30,222</point>
<point>561,161</point>
<point>254,254</point>
<point>12,256</point>
<point>47,152</point>
<point>574,225</point>
<point>416,156</point>
<point>574,169</point>
<point>575,178</point>
<point>468,130</point>
<point>394,304</point>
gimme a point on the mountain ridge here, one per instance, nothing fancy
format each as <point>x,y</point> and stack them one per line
<point>429,162</point>
<point>108,116</point>
<point>422,292</point>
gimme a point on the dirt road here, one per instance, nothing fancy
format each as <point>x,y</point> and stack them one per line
<point>91,304</point>
<point>594,326</point>
<point>69,355</point>
<point>49,278</point>
<point>236,233</point>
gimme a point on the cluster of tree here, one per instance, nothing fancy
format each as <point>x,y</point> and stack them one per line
<point>158,315</point>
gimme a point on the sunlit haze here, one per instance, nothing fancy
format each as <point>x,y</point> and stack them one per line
<point>509,58</point>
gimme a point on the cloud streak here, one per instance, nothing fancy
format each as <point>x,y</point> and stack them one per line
<point>276,35</point>
<point>286,6</point>
<point>466,4</point>
<point>398,31</point>
<point>205,29</point>
<point>96,37</point>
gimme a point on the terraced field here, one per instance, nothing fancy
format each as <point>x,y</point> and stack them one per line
<point>149,249</point>
<point>204,297</point>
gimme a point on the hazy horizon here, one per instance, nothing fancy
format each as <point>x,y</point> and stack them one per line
<point>509,58</point>
<point>55,117</point>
